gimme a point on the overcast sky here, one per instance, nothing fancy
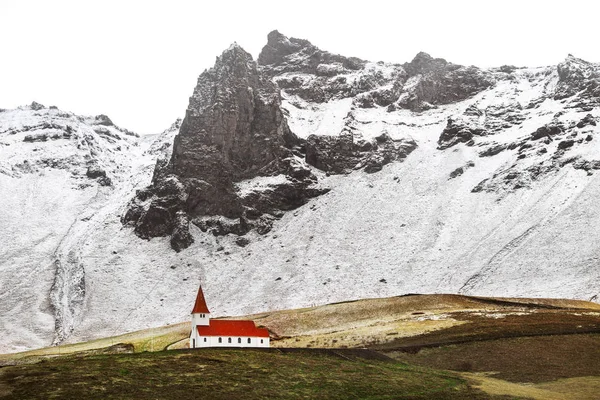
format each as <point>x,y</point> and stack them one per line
<point>138,61</point>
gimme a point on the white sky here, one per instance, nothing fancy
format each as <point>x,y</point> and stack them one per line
<point>138,61</point>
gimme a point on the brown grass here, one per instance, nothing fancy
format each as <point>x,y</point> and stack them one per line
<point>384,323</point>
<point>486,327</point>
<point>231,374</point>
<point>509,338</point>
<point>523,359</point>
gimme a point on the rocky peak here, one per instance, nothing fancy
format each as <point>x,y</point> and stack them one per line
<point>577,75</point>
<point>432,81</point>
<point>283,54</point>
<point>573,68</point>
<point>303,70</point>
<point>278,46</point>
<point>233,130</point>
<point>234,115</point>
<point>36,106</point>
<point>423,63</point>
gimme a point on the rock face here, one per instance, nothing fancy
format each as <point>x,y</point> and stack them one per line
<point>233,126</point>
<point>233,130</point>
<point>576,75</point>
<point>343,153</point>
<point>458,131</point>
<point>292,55</point>
<point>302,69</point>
<point>431,81</point>
<point>557,142</point>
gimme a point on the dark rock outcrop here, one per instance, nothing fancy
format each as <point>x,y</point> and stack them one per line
<point>493,149</point>
<point>154,210</point>
<point>588,120</point>
<point>343,153</point>
<point>103,120</point>
<point>501,117</point>
<point>547,131</point>
<point>458,131</point>
<point>565,144</point>
<point>302,69</point>
<point>181,237</point>
<point>474,122</point>
<point>576,75</point>
<point>36,106</point>
<point>461,170</point>
<point>233,130</point>
<point>432,81</point>
<point>587,165</point>
<point>307,58</point>
<point>95,172</point>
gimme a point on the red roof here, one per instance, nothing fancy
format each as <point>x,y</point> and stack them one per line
<point>232,328</point>
<point>200,306</point>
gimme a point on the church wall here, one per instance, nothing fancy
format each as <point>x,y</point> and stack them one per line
<point>213,341</point>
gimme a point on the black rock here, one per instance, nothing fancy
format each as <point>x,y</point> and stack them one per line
<point>36,106</point>
<point>586,121</point>
<point>234,129</point>
<point>181,237</point>
<point>242,241</point>
<point>457,132</point>
<point>473,111</point>
<point>548,131</point>
<point>441,82</point>
<point>493,149</point>
<point>565,144</point>
<point>154,221</point>
<point>302,69</point>
<point>340,154</point>
<point>36,138</point>
<point>95,172</point>
<point>457,172</point>
<point>219,226</point>
<point>103,120</point>
<point>577,76</point>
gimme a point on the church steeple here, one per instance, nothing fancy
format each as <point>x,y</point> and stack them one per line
<point>200,305</point>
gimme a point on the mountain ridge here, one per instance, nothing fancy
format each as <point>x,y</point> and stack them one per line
<point>440,179</point>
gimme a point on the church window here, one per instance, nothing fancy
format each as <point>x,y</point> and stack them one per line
<point>240,340</point>
<point>249,340</point>
<point>229,340</point>
<point>220,340</point>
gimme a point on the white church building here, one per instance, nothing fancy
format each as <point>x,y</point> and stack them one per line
<point>223,333</point>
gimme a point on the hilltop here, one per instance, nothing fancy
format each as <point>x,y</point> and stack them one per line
<point>493,347</point>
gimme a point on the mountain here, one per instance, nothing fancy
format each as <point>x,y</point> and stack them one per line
<point>302,178</point>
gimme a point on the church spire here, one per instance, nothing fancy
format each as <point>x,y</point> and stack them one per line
<point>200,305</point>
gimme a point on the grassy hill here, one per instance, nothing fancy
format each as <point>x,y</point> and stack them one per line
<point>232,374</point>
<point>521,348</point>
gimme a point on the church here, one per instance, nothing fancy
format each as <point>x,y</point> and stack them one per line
<point>223,333</point>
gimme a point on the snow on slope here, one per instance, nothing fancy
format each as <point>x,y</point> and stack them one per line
<point>406,229</point>
<point>54,200</point>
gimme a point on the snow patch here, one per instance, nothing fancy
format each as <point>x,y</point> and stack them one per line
<point>259,184</point>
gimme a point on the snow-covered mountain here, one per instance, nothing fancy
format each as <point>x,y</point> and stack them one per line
<point>303,178</point>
